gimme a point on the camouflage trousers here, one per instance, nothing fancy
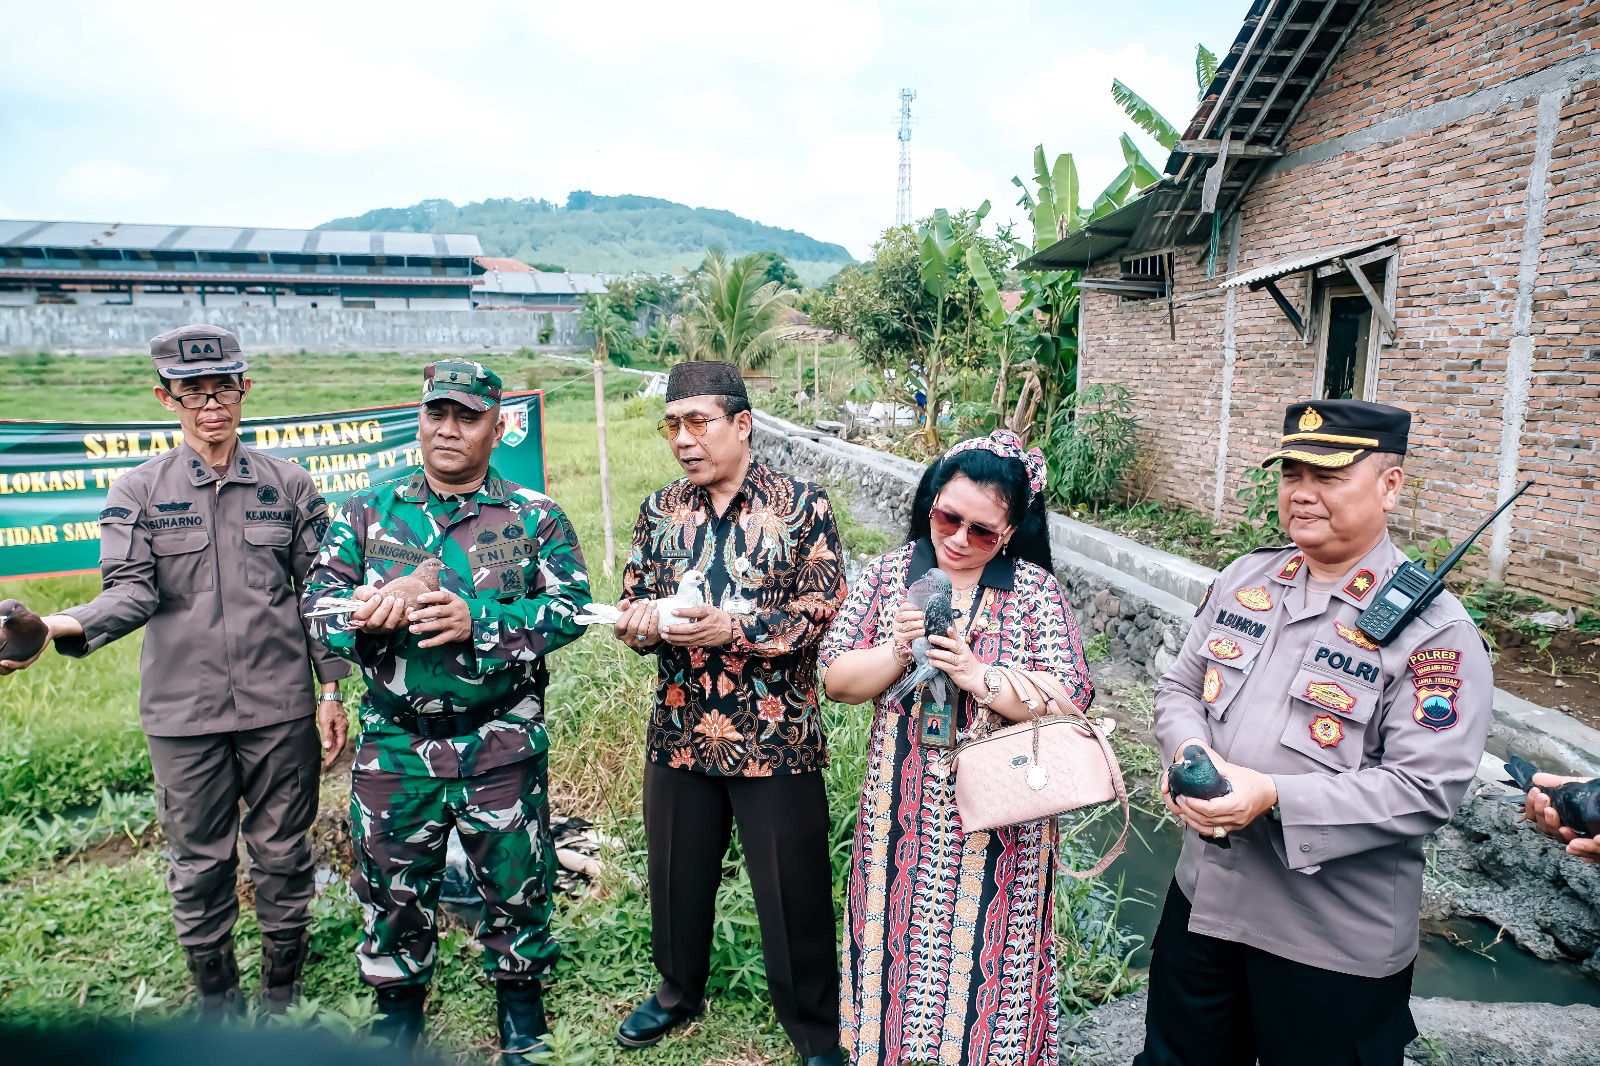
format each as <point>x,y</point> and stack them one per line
<point>400,824</point>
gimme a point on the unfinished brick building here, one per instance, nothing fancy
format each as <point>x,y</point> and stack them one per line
<point>1396,200</point>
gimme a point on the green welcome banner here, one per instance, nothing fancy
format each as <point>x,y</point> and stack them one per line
<point>54,475</point>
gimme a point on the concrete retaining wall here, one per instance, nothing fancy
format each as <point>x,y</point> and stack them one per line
<point>118,330</point>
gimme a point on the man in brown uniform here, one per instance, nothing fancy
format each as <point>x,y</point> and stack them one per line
<point>205,546</point>
<point>1296,942</point>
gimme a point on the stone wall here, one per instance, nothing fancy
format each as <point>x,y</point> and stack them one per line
<point>117,330</point>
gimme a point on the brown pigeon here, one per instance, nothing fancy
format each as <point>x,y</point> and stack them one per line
<point>425,578</point>
<point>23,634</point>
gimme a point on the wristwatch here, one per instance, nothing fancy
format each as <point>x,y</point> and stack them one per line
<point>991,683</point>
<point>331,697</point>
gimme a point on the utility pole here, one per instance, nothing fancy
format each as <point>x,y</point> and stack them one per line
<point>902,202</point>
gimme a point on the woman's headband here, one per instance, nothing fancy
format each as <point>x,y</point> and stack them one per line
<point>1008,445</point>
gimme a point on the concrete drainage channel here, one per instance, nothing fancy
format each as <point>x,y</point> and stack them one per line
<point>1483,867</point>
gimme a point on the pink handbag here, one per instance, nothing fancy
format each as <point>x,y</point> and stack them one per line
<point>1056,763</point>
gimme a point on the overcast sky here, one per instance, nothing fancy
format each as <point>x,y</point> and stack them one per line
<point>292,114</point>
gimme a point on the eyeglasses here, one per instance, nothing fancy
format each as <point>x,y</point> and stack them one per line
<point>196,400</point>
<point>668,427</point>
<point>947,523</point>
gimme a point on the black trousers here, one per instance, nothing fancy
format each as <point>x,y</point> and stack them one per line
<point>783,827</point>
<point>1217,1003</point>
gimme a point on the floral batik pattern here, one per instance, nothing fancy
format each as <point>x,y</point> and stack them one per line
<point>774,561</point>
<point>949,955</point>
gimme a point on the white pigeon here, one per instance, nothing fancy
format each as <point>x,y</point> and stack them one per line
<point>691,593</point>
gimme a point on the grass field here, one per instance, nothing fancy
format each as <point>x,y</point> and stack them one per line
<point>81,893</point>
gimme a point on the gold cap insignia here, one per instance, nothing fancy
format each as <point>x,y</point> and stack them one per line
<point>1310,421</point>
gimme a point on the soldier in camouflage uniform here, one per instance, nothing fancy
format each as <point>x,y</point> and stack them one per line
<point>452,727</point>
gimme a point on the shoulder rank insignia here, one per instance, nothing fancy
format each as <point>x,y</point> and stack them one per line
<point>1327,730</point>
<point>1205,599</point>
<point>1330,694</point>
<point>1224,647</point>
<point>1212,687</point>
<point>1256,599</point>
<point>1355,636</point>
<point>1436,706</point>
<point>1291,568</point>
<point>1361,584</point>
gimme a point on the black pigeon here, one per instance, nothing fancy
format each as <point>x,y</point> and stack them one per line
<point>1197,777</point>
<point>23,634</point>
<point>1577,803</point>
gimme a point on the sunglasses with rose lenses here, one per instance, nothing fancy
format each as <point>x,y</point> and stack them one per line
<point>947,523</point>
<point>697,424</point>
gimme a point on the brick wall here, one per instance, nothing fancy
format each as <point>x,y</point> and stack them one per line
<point>1457,196</point>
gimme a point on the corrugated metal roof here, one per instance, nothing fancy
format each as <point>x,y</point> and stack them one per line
<point>228,277</point>
<point>1095,240</point>
<point>1305,261</point>
<point>28,233</point>
<point>541,283</point>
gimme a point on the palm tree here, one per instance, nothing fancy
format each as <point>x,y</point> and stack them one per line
<point>611,331</point>
<point>734,313</point>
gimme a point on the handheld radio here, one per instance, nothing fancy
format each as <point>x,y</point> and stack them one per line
<point>1412,587</point>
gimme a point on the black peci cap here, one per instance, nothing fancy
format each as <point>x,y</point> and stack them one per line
<point>704,378</point>
<point>1336,433</point>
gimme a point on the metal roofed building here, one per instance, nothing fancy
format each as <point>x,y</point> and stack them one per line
<point>534,290</point>
<point>89,263</point>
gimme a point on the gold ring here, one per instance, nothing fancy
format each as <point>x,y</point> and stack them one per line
<point>1217,832</point>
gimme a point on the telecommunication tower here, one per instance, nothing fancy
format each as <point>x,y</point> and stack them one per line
<point>902,202</point>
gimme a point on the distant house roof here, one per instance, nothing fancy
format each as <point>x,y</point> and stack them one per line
<point>541,283</point>
<point>118,236</point>
<point>498,262</point>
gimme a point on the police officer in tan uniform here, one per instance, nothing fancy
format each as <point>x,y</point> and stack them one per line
<point>1296,943</point>
<point>206,546</point>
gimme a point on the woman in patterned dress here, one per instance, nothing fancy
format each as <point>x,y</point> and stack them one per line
<point>949,946</point>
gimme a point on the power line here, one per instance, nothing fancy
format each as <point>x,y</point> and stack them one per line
<point>902,203</point>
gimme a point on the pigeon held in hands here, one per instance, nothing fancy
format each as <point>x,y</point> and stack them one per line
<point>1577,803</point>
<point>930,594</point>
<point>1197,777</point>
<point>691,593</point>
<point>408,587</point>
<point>23,634</point>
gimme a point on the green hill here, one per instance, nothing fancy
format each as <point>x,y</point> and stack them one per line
<point>606,234</point>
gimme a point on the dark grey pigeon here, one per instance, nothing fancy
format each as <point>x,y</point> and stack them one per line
<point>930,594</point>
<point>1577,803</point>
<point>23,634</point>
<point>1197,777</point>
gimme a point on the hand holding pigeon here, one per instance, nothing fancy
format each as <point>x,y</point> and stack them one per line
<point>406,589</point>
<point>930,593</point>
<point>1575,801</point>
<point>23,635</point>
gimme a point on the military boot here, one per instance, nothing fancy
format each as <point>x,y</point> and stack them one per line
<point>216,980</point>
<point>520,1011</point>
<point>283,959</point>
<point>400,1018</point>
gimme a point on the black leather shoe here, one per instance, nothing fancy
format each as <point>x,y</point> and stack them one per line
<point>650,1021</point>
<point>283,960</point>
<point>827,1058</point>
<point>400,1018</point>
<point>519,1009</point>
<point>216,979</point>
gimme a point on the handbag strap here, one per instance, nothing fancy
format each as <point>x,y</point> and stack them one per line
<point>1039,684</point>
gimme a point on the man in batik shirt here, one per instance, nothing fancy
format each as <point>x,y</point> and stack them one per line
<point>736,732</point>
<point>452,727</point>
